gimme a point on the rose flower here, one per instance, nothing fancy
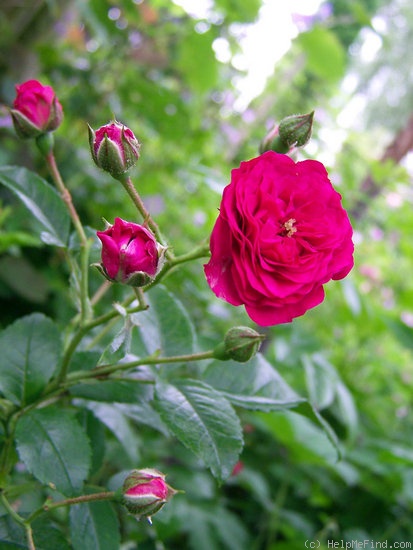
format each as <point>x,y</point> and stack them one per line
<point>281,234</point>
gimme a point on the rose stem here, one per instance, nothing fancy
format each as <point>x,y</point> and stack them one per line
<point>147,218</point>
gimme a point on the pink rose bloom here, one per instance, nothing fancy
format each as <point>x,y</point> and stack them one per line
<point>281,234</point>
<point>114,148</point>
<point>36,109</point>
<point>130,253</point>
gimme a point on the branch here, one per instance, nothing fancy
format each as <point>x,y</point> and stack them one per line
<point>398,148</point>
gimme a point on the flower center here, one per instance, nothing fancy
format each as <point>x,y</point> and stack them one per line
<point>289,228</point>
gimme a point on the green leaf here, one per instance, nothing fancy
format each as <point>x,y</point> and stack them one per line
<point>29,350</point>
<point>129,396</point>
<point>54,448</point>
<point>306,441</point>
<point>203,420</point>
<point>114,391</point>
<point>42,200</point>
<point>197,62</point>
<point>321,380</point>
<point>310,413</point>
<point>253,385</point>
<point>402,332</point>
<point>165,326</point>
<point>94,525</point>
<point>347,409</point>
<point>119,425</point>
<point>325,55</point>
<point>12,535</point>
<point>24,279</point>
<point>239,10</point>
<point>47,536</point>
<point>143,413</point>
<point>96,434</point>
<point>212,526</point>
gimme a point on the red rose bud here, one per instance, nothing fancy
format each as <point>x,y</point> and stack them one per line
<point>130,253</point>
<point>145,492</point>
<point>281,234</point>
<point>240,344</point>
<point>36,110</point>
<point>114,148</point>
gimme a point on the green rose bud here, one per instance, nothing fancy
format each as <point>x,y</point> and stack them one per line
<point>295,130</point>
<point>240,344</point>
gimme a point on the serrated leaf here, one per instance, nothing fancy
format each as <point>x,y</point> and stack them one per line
<point>94,525</point>
<point>29,350</point>
<point>42,200</point>
<point>203,420</point>
<point>54,448</point>
<point>253,385</point>
<point>166,325</point>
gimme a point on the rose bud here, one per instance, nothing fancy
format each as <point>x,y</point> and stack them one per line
<point>130,253</point>
<point>114,148</point>
<point>281,234</point>
<point>240,344</point>
<point>36,110</point>
<point>293,131</point>
<point>145,492</point>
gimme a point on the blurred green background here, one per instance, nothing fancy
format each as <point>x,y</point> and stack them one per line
<point>174,77</point>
